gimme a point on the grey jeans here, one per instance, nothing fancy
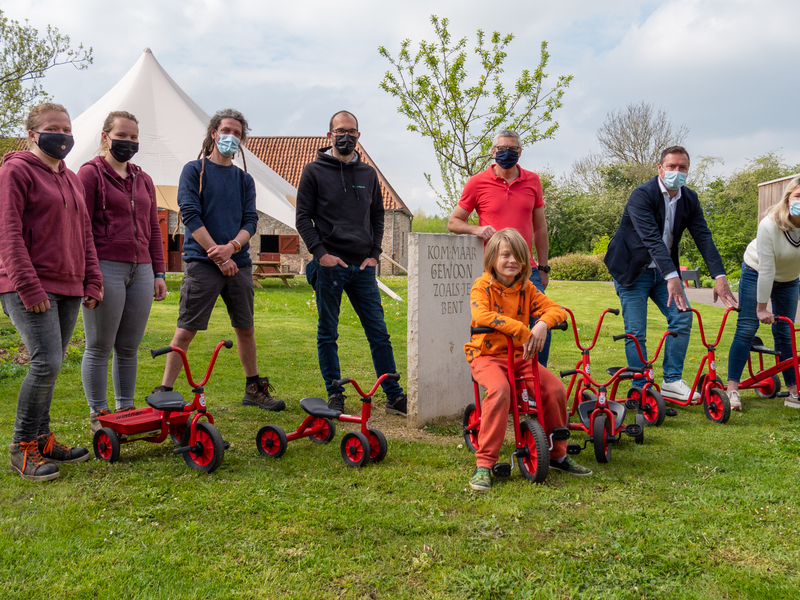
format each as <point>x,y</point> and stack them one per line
<point>47,337</point>
<point>117,323</point>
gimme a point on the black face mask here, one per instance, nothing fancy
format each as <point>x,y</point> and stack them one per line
<point>506,158</point>
<point>344,144</point>
<point>123,150</point>
<point>55,145</point>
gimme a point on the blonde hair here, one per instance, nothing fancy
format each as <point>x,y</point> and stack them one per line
<point>519,248</point>
<point>780,212</point>
<point>108,125</point>
<point>36,113</point>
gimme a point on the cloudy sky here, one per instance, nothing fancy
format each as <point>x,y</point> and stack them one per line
<point>726,69</point>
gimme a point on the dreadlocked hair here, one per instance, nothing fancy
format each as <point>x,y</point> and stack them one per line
<point>208,144</point>
<point>213,125</point>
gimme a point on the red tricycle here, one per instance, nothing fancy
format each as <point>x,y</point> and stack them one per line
<point>531,447</point>
<point>200,442</point>
<point>766,382</point>
<point>358,447</point>
<point>647,398</point>
<point>715,401</point>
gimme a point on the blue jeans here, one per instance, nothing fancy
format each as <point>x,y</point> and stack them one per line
<point>47,336</point>
<point>362,290</point>
<point>536,280</point>
<point>784,303</point>
<point>117,323</point>
<point>633,298</point>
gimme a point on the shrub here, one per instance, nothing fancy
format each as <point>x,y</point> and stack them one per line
<point>707,282</point>
<point>601,245</point>
<point>579,267</point>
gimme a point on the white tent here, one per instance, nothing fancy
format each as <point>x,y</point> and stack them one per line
<point>171,130</point>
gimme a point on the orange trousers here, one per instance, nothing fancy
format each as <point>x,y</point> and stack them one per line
<point>491,373</point>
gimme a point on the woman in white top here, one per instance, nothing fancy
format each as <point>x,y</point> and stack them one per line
<point>769,272</point>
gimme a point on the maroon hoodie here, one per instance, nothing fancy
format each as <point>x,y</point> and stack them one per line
<point>124,214</point>
<point>45,234</point>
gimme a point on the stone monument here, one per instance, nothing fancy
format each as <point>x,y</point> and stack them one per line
<point>442,268</point>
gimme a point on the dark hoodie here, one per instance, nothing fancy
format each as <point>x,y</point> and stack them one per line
<point>124,214</point>
<point>45,234</point>
<point>340,209</point>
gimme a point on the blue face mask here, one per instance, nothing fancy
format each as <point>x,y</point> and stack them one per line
<point>794,209</point>
<point>228,145</point>
<point>674,180</point>
<point>506,158</point>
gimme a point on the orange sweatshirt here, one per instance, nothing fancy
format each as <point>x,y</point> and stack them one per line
<point>507,309</point>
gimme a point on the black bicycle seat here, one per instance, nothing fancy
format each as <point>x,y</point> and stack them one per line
<point>317,407</point>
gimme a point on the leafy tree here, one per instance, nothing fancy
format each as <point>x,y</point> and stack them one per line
<point>423,223</point>
<point>636,135</point>
<point>25,57</point>
<point>461,114</point>
<point>731,209</point>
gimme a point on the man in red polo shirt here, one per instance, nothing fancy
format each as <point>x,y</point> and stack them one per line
<point>506,195</point>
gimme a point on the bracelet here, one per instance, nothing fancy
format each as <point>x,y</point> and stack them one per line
<point>238,245</point>
<point>225,263</point>
<point>160,276</point>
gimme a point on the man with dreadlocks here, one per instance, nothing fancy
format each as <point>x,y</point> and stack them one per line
<point>340,218</point>
<point>218,206</point>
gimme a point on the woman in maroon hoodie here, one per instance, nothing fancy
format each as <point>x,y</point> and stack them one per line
<point>121,202</point>
<point>48,266</point>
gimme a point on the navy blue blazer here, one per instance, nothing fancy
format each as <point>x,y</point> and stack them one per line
<point>639,237</point>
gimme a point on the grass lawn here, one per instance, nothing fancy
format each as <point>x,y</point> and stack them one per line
<point>701,510</point>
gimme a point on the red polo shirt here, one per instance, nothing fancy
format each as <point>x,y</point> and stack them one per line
<point>502,205</point>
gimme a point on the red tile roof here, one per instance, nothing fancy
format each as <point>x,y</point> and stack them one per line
<point>287,155</point>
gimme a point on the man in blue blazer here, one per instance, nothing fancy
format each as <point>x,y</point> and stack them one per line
<point>643,260</point>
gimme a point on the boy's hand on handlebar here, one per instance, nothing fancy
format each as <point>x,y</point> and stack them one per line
<point>535,343</point>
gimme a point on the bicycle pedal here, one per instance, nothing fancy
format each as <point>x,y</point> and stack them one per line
<point>634,429</point>
<point>501,470</point>
<point>561,434</point>
<point>574,448</point>
<point>671,412</point>
<point>782,395</point>
<point>632,404</point>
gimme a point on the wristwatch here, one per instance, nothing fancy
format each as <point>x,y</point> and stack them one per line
<point>545,268</point>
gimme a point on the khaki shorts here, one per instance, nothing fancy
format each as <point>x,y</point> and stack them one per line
<point>202,284</point>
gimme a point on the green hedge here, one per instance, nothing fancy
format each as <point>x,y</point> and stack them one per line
<point>579,267</point>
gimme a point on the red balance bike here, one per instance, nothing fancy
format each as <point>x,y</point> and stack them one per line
<point>715,401</point>
<point>766,382</point>
<point>532,450</point>
<point>358,447</point>
<point>200,442</point>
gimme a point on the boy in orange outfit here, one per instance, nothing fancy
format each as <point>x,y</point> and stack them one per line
<point>504,299</point>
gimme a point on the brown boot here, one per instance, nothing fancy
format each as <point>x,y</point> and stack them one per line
<point>258,394</point>
<point>56,452</point>
<point>94,424</point>
<point>29,463</point>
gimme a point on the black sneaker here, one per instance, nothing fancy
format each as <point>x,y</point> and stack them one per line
<point>55,452</point>
<point>255,396</point>
<point>336,402</point>
<point>397,406</point>
<point>29,462</point>
<point>161,388</point>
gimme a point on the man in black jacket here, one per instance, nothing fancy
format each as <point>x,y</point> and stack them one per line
<point>340,218</point>
<point>643,260</point>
